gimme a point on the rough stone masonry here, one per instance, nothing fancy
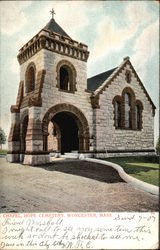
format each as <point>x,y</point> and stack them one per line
<point>108,114</point>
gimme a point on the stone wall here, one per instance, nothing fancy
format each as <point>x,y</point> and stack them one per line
<point>103,134</point>
<point>110,138</point>
<point>52,140</point>
<point>51,95</point>
<point>38,60</point>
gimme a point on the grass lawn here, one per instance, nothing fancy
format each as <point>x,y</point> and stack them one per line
<point>143,168</point>
<point>3,152</point>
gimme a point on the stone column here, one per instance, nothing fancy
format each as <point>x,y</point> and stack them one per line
<point>35,154</point>
<point>81,148</point>
<point>22,146</point>
<point>86,143</point>
<point>45,142</point>
<point>14,139</point>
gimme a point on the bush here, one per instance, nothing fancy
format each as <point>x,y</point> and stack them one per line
<point>3,151</point>
<point>2,137</point>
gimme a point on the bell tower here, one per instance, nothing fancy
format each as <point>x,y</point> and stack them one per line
<point>53,76</point>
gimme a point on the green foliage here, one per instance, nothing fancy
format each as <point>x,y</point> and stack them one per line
<point>141,167</point>
<point>158,146</point>
<point>3,152</point>
<point>2,137</point>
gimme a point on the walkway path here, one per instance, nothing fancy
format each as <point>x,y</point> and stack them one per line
<point>68,186</point>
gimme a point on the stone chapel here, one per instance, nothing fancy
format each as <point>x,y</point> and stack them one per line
<point>59,110</point>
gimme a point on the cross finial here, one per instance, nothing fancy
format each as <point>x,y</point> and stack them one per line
<point>52,13</point>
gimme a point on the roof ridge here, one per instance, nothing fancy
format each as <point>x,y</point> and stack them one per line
<point>98,90</point>
<point>102,73</point>
<point>94,83</point>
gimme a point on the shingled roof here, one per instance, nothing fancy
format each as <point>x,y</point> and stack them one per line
<point>54,27</point>
<point>96,81</point>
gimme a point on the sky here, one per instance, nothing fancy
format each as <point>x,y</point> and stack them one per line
<point>111,29</point>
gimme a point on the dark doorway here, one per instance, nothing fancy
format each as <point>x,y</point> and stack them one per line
<point>69,131</point>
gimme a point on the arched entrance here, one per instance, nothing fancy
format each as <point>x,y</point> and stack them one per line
<point>70,128</point>
<point>69,140</point>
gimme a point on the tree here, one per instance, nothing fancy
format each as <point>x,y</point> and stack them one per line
<point>2,137</point>
<point>158,147</point>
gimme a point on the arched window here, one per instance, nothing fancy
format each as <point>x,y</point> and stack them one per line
<point>64,79</point>
<point>117,104</point>
<point>138,117</point>
<point>30,79</point>
<point>138,114</point>
<point>117,114</point>
<point>128,111</point>
<point>66,76</point>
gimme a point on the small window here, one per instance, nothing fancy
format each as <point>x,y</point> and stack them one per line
<point>117,114</point>
<point>128,76</point>
<point>138,117</point>
<point>30,79</point>
<point>128,114</point>
<point>66,76</point>
<point>64,79</point>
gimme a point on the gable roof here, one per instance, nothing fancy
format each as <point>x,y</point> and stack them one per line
<point>54,27</point>
<point>96,81</point>
<point>110,78</point>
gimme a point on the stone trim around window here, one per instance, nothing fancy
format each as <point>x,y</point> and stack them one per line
<point>34,98</point>
<point>29,89</point>
<point>117,98</point>
<point>134,102</point>
<point>129,91</point>
<point>72,76</point>
<point>139,103</point>
<point>109,81</point>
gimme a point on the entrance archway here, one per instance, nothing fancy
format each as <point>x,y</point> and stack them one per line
<point>73,133</point>
<point>69,132</point>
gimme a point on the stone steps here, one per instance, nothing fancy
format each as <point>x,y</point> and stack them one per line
<point>71,155</point>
